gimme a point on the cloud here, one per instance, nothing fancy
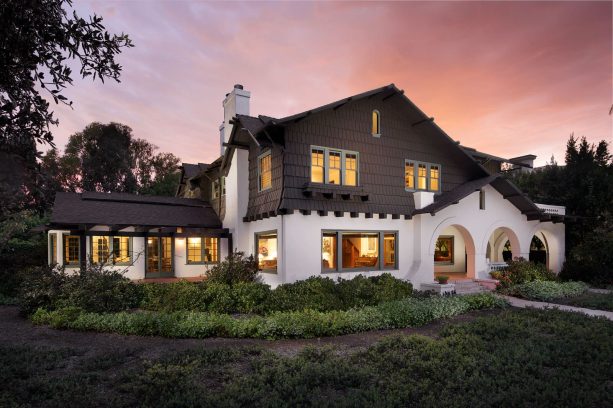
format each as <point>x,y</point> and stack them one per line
<point>507,78</point>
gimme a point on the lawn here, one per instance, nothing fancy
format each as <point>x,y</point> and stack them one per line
<point>504,358</point>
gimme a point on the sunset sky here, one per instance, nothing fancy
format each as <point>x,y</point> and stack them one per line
<point>507,78</point>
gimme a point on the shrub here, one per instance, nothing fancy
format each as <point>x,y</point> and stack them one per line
<point>292,324</point>
<point>520,271</point>
<point>315,293</point>
<point>592,259</point>
<point>547,290</point>
<point>97,289</point>
<point>235,268</point>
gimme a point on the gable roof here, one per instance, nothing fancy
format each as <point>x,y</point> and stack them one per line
<point>123,209</point>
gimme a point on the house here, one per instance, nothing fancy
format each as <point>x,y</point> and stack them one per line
<point>364,185</point>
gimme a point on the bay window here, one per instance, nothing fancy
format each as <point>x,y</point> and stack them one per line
<point>334,166</point>
<point>358,250</point>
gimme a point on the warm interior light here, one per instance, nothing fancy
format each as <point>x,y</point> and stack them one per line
<point>180,230</point>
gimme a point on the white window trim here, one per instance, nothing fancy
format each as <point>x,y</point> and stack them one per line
<point>343,153</point>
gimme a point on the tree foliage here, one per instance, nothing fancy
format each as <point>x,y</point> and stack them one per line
<point>585,187</point>
<point>108,158</point>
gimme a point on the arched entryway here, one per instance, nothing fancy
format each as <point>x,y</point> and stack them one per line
<point>453,253</point>
<point>539,251</point>
<point>502,246</point>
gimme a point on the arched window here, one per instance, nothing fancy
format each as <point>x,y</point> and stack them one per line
<point>376,123</point>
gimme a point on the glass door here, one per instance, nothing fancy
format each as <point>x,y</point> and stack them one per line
<point>159,257</point>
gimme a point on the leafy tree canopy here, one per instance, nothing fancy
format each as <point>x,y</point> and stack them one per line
<point>107,158</point>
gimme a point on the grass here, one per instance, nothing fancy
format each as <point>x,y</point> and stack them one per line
<point>589,300</point>
<point>528,358</point>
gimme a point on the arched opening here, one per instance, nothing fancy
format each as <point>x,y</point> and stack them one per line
<point>376,123</point>
<point>539,249</point>
<point>454,253</point>
<point>502,246</point>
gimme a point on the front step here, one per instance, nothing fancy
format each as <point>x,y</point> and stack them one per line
<point>464,287</point>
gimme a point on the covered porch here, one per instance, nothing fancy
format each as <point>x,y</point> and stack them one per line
<point>145,237</point>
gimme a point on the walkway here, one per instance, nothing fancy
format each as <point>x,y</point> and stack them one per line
<point>523,303</point>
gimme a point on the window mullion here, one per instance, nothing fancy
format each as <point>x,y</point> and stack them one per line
<point>343,158</point>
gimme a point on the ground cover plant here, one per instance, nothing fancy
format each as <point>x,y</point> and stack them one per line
<point>529,358</point>
<point>589,300</point>
<point>547,290</point>
<point>293,324</point>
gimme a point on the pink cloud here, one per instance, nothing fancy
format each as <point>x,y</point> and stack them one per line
<point>507,78</point>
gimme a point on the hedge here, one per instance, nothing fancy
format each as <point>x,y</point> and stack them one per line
<point>547,290</point>
<point>294,324</point>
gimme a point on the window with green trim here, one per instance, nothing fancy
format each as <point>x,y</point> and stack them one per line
<point>71,250</point>
<point>422,176</point>
<point>334,166</point>
<point>202,250</point>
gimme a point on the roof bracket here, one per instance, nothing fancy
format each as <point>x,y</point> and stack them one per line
<point>419,122</point>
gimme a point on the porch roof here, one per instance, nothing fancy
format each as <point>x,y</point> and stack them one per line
<point>122,210</point>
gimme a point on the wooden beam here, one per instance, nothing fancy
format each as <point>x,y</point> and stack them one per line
<point>354,214</point>
<point>241,146</point>
<point>407,216</point>
<point>419,122</point>
<point>338,213</point>
<point>342,104</point>
<point>401,92</point>
<point>368,215</point>
<point>322,213</point>
<point>395,216</point>
<point>382,216</point>
<point>305,212</point>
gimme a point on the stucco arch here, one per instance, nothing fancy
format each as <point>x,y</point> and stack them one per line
<point>516,247</point>
<point>469,243</point>
<point>554,245</point>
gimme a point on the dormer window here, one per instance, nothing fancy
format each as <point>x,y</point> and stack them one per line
<point>218,187</point>
<point>376,123</point>
<point>265,171</point>
<point>334,166</point>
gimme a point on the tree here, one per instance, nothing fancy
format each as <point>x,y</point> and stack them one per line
<point>38,41</point>
<point>38,38</point>
<point>107,158</point>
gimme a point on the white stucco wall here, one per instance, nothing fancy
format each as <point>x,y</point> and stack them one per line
<point>459,258</point>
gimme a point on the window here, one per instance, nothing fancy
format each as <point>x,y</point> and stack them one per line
<point>159,257</point>
<point>317,165</point>
<point>218,187</point>
<point>265,171</point>
<point>422,176</point>
<point>351,169</point>
<point>100,249</point>
<point>116,250</point>
<point>409,175</point>
<point>482,199</point>
<point>358,250</point>
<point>434,177</point>
<point>376,123</point>
<point>52,249</point>
<point>71,250</point>
<point>202,250</point>
<point>333,166</point>
<point>443,251</point>
<point>266,250</point>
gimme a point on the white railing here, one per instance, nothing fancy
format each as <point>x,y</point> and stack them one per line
<point>552,209</point>
<point>496,266</point>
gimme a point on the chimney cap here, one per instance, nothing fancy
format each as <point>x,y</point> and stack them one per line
<point>238,86</point>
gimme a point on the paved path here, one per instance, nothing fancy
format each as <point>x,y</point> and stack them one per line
<point>601,291</point>
<point>523,303</point>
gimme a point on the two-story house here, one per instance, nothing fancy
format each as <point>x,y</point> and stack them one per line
<point>364,185</point>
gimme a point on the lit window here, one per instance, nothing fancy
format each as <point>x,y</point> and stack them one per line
<point>443,252</point>
<point>358,250</point>
<point>376,123</point>
<point>71,249</point>
<point>422,176</point>
<point>121,250</point>
<point>409,175</point>
<point>434,177</point>
<point>52,249</point>
<point>351,169</point>
<point>100,249</point>
<point>265,171</point>
<point>329,250</point>
<point>317,165</point>
<point>266,249</point>
<point>199,253</point>
<point>389,250</point>
<point>334,168</point>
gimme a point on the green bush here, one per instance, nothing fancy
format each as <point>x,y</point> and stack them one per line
<point>520,271</point>
<point>592,259</point>
<point>96,289</point>
<point>233,269</point>
<point>292,324</point>
<point>547,290</point>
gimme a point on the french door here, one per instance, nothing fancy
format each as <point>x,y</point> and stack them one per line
<point>159,262</point>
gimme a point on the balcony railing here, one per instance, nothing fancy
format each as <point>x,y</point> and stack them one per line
<point>552,209</point>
